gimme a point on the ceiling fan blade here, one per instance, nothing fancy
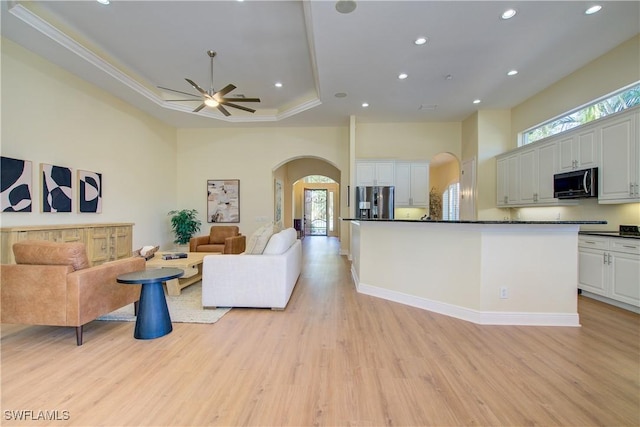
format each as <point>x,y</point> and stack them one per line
<point>223,110</point>
<point>179,91</point>
<point>174,100</point>
<point>242,99</point>
<point>200,107</point>
<point>198,88</point>
<point>225,90</point>
<point>240,107</point>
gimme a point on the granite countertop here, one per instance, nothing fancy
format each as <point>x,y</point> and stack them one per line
<point>610,234</point>
<point>476,222</point>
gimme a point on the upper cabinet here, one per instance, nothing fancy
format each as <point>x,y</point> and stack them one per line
<point>578,150</point>
<point>612,144</point>
<point>619,174</point>
<point>412,184</point>
<point>508,180</point>
<point>374,172</point>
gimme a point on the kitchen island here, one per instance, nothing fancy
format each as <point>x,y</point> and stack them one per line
<point>486,272</point>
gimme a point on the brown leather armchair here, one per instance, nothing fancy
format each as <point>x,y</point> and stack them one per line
<point>53,284</point>
<point>222,238</point>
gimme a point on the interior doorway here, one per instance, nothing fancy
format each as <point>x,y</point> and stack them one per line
<point>315,212</point>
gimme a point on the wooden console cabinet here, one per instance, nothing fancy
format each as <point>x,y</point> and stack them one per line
<point>105,242</point>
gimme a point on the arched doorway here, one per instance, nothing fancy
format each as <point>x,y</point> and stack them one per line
<point>297,206</point>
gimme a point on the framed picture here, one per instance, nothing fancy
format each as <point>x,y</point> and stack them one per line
<point>89,192</point>
<point>16,181</point>
<point>56,188</point>
<point>278,202</point>
<point>223,200</point>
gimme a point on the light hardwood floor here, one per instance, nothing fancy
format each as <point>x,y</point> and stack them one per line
<point>332,358</point>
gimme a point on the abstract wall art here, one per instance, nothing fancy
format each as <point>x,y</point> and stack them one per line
<point>89,192</point>
<point>223,200</point>
<point>15,182</point>
<point>56,188</point>
<point>278,202</point>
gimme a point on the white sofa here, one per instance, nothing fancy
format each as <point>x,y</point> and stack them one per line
<point>263,280</point>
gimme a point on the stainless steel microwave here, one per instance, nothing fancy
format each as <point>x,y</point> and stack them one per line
<point>576,184</point>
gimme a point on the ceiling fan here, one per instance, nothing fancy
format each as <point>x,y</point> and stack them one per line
<point>214,99</point>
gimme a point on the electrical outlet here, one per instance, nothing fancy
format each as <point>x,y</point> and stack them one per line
<point>504,292</point>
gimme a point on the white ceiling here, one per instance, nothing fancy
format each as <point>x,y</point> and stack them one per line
<point>129,48</point>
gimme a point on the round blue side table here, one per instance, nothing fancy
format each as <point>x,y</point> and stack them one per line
<point>153,320</point>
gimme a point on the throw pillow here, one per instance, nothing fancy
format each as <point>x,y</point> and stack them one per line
<point>279,243</point>
<point>259,239</point>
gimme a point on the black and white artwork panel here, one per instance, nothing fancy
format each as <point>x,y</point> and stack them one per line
<point>16,183</point>
<point>90,192</point>
<point>56,188</point>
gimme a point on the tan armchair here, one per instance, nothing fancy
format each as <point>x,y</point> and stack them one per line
<point>53,284</point>
<point>226,239</point>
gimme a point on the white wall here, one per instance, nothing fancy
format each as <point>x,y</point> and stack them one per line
<point>51,116</point>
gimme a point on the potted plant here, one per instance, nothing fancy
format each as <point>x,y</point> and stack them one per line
<point>184,224</point>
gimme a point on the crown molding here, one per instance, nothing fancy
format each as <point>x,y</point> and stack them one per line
<point>49,30</point>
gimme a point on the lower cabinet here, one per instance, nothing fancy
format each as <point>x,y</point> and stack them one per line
<point>104,242</point>
<point>610,267</point>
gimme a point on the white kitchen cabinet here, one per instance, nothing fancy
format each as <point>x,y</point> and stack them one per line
<point>546,167</point>
<point>507,180</point>
<point>411,184</point>
<point>375,172</point>
<point>610,267</point>
<point>525,176</point>
<point>619,172</point>
<point>578,150</point>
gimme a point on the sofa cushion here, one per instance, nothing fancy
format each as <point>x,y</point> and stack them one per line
<point>280,242</point>
<point>219,233</point>
<point>42,252</point>
<point>259,239</point>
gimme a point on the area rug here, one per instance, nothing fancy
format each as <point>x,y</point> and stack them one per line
<point>183,308</point>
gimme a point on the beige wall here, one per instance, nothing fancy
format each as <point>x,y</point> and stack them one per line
<point>51,116</point>
<point>407,141</point>
<point>608,73</point>
<point>252,155</point>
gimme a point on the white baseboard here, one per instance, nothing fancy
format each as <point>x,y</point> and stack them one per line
<point>463,313</point>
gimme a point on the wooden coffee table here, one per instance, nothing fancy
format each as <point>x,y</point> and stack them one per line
<point>192,266</point>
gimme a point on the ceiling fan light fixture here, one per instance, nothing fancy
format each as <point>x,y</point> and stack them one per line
<point>209,102</point>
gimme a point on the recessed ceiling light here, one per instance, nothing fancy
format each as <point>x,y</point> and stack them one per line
<point>340,95</point>
<point>476,101</point>
<point>403,76</point>
<point>508,14</point>
<point>365,104</point>
<point>278,84</point>
<point>421,40</point>
<point>593,9</point>
<point>512,72</point>
<point>448,77</point>
<point>103,1</point>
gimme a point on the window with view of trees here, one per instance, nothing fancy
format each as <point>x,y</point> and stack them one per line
<point>619,101</point>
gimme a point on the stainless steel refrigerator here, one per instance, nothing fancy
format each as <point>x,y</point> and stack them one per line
<point>374,202</point>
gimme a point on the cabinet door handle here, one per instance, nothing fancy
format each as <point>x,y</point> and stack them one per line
<point>591,242</point>
<point>629,246</point>
<point>605,258</point>
<point>631,188</point>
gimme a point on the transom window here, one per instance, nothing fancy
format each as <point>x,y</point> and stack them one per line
<point>613,103</point>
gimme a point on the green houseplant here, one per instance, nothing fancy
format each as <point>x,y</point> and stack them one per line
<point>184,224</point>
